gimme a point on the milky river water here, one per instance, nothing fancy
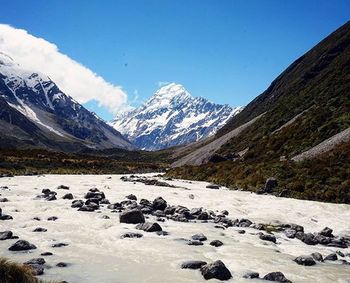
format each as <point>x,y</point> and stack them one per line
<point>96,253</point>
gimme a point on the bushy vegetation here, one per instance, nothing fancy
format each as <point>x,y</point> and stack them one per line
<point>324,179</point>
<point>38,161</point>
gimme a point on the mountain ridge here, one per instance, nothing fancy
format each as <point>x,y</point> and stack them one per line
<point>301,139</point>
<point>55,120</point>
<point>172,117</point>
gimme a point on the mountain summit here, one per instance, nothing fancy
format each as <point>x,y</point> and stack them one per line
<point>172,117</point>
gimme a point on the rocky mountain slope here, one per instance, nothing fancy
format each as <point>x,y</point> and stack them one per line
<point>173,117</point>
<point>35,112</point>
<point>306,109</point>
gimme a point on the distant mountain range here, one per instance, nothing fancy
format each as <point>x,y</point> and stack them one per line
<point>34,112</point>
<point>172,117</point>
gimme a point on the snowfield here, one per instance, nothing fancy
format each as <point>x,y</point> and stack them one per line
<point>96,253</point>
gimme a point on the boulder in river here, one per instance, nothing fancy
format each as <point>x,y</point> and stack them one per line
<point>277,277</point>
<point>307,238</point>
<point>323,240</point>
<point>203,216</point>
<point>159,204</point>
<point>199,237</point>
<point>224,212</point>
<point>50,197</point>
<point>327,232</point>
<point>77,203</point>
<point>216,270</point>
<point>131,197</point>
<point>5,235</point>
<point>95,194</point>
<point>46,254</point>
<point>196,211</point>
<point>244,223</point>
<point>169,210</point>
<point>22,245</point>
<point>52,218</point>
<point>88,208</point>
<point>132,216</point>
<point>290,233</point>
<point>5,217</point>
<point>59,245</point>
<point>40,229</point>
<point>251,275</point>
<point>216,243</point>
<point>131,235</point>
<point>68,196</point>
<point>331,257</point>
<point>149,227</point>
<point>268,237</point>
<point>305,260</point>
<point>62,264</point>
<point>62,187</point>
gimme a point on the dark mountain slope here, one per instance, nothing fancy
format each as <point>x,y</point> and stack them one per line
<point>319,74</point>
<point>307,104</point>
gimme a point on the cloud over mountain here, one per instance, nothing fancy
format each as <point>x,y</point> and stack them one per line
<point>73,78</point>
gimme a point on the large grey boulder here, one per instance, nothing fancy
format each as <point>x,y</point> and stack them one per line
<point>216,270</point>
<point>277,277</point>
<point>132,216</point>
<point>22,245</point>
<point>159,204</point>
<point>305,260</point>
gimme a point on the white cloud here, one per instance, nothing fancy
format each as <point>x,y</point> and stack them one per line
<point>73,78</point>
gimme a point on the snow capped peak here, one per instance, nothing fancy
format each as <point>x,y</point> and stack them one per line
<point>170,92</point>
<point>172,117</point>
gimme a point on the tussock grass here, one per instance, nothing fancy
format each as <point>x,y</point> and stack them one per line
<point>12,272</point>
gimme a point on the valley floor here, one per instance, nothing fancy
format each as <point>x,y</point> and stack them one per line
<point>96,252</point>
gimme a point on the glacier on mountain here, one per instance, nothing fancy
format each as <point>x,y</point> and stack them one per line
<point>172,117</point>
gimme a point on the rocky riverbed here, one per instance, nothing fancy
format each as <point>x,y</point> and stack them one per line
<point>98,228</point>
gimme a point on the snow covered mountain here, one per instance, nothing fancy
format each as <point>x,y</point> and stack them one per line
<point>34,112</point>
<point>172,117</point>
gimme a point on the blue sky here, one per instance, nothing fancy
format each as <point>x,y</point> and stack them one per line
<point>226,51</point>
